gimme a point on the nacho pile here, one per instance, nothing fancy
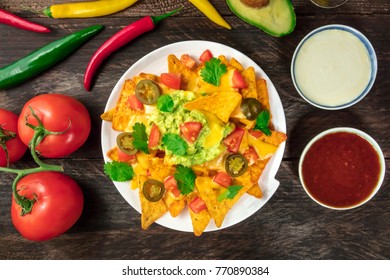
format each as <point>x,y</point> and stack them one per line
<point>200,141</point>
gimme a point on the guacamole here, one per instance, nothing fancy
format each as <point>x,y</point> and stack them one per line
<point>204,148</point>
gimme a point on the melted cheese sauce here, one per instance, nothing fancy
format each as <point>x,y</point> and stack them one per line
<point>332,68</point>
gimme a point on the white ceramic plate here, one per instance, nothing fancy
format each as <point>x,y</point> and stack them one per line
<point>156,63</point>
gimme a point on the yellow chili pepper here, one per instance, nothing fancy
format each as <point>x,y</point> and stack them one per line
<point>209,11</point>
<point>87,9</point>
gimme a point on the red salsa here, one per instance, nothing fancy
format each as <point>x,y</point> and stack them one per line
<point>341,169</point>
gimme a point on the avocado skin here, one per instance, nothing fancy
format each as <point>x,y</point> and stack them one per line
<point>253,16</point>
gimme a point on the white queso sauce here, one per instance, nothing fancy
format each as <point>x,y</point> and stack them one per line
<point>332,67</point>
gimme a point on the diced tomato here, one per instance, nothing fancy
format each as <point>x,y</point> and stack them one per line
<point>256,133</point>
<point>172,80</point>
<point>188,61</point>
<point>205,56</point>
<point>233,140</point>
<point>134,103</point>
<point>251,155</point>
<point>154,137</point>
<point>170,184</point>
<point>238,81</point>
<point>223,179</point>
<point>123,157</point>
<point>191,130</point>
<point>197,205</point>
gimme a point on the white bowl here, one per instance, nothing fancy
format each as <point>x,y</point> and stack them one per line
<point>364,136</point>
<point>358,95</point>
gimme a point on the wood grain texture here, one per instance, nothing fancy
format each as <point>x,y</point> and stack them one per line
<point>289,226</point>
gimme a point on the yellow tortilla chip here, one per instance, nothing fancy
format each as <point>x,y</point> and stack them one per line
<point>276,138</point>
<point>255,191</point>
<point>212,104</point>
<point>108,116</point>
<point>262,94</point>
<point>252,175</point>
<point>199,220</point>
<point>175,205</point>
<point>235,64</point>
<point>151,211</point>
<point>250,78</point>
<point>188,77</point>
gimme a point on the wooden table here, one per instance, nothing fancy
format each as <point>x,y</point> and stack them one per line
<point>289,226</point>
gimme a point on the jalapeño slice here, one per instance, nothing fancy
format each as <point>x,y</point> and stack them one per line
<point>124,141</point>
<point>153,190</point>
<point>251,108</point>
<point>236,165</point>
<point>147,92</point>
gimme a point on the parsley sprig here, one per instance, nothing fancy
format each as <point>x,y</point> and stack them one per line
<point>175,144</point>
<point>119,171</point>
<point>229,193</point>
<point>185,178</point>
<point>165,103</point>
<point>140,137</point>
<point>262,122</point>
<point>213,71</point>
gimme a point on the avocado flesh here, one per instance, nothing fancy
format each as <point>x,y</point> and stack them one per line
<point>277,18</point>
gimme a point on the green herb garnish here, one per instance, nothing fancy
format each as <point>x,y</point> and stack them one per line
<point>119,171</point>
<point>140,141</point>
<point>229,193</point>
<point>185,178</point>
<point>262,122</point>
<point>174,143</point>
<point>165,103</point>
<point>213,71</point>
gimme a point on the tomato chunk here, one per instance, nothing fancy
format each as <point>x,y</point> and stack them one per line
<point>233,140</point>
<point>134,103</point>
<point>197,205</point>
<point>223,179</point>
<point>172,80</point>
<point>251,155</point>
<point>188,61</point>
<point>238,81</point>
<point>191,130</point>
<point>154,137</point>
<point>170,184</point>
<point>206,56</point>
<point>123,157</point>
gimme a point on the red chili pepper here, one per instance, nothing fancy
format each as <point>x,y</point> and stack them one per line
<point>119,40</point>
<point>14,20</point>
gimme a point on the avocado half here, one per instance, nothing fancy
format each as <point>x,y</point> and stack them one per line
<point>277,18</point>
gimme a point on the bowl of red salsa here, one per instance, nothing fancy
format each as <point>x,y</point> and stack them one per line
<point>342,168</point>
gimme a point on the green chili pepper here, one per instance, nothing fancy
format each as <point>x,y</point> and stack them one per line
<point>44,57</point>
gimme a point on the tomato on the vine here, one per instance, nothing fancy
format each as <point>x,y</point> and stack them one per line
<point>9,138</point>
<point>58,205</point>
<point>58,113</point>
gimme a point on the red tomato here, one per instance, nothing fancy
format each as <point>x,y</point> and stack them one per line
<point>251,155</point>
<point>256,133</point>
<point>123,157</point>
<point>172,80</point>
<point>190,130</point>
<point>238,80</point>
<point>15,147</point>
<point>59,203</point>
<point>188,61</point>
<point>206,56</point>
<point>170,184</point>
<point>58,113</point>
<point>223,179</point>
<point>134,103</point>
<point>154,137</point>
<point>197,205</point>
<point>233,140</point>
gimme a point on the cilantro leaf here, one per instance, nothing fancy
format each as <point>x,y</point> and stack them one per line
<point>140,137</point>
<point>175,144</point>
<point>262,122</point>
<point>165,103</point>
<point>185,178</point>
<point>229,193</point>
<point>119,171</point>
<point>213,71</point>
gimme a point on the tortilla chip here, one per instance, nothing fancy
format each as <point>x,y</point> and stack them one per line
<point>209,193</point>
<point>175,205</point>
<point>212,104</point>
<point>276,138</point>
<point>151,211</point>
<point>262,94</point>
<point>250,78</point>
<point>199,220</point>
<point>108,116</point>
<point>252,175</point>
<point>188,77</point>
<point>235,64</point>
<point>223,59</point>
<point>255,191</point>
